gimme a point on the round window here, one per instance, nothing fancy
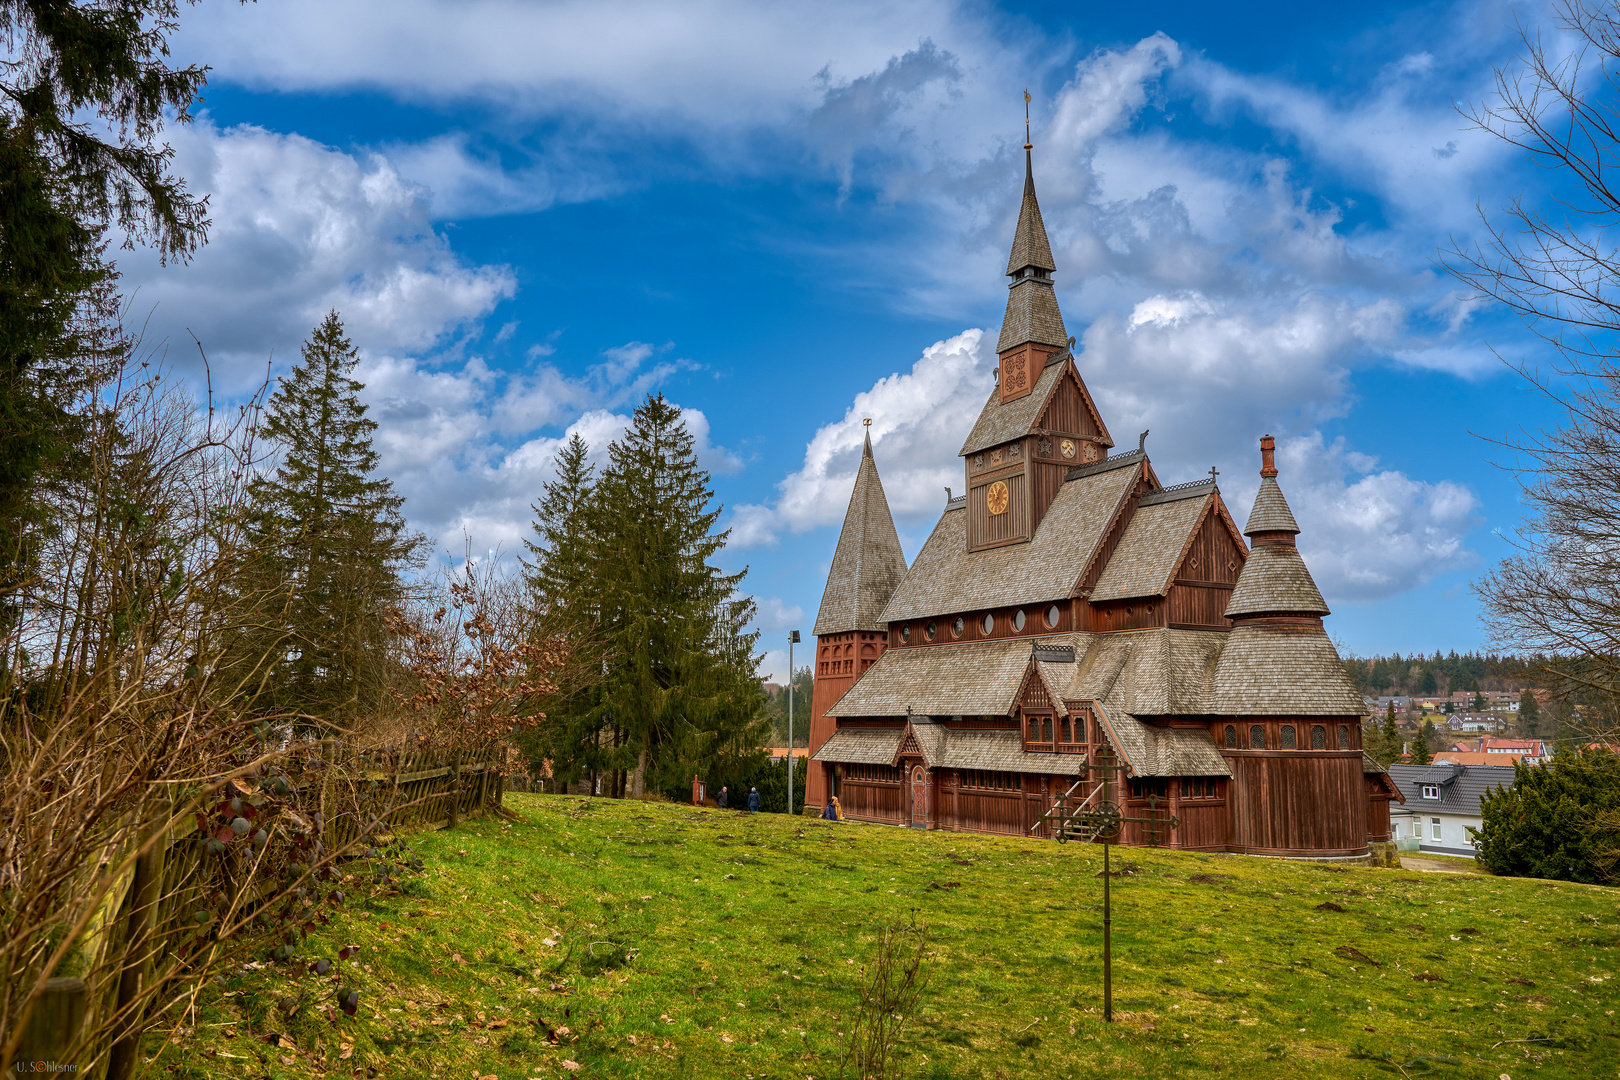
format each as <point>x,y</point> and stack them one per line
<point>933,628</point>
<point>958,626</point>
<point>989,625</point>
<point>1018,620</point>
<point>1052,616</point>
<point>905,633</point>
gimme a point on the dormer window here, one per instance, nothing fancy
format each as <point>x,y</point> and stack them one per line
<point>1431,791</point>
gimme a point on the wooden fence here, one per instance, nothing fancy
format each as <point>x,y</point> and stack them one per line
<point>98,986</point>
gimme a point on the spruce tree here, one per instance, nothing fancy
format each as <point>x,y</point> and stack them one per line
<point>1389,739</point>
<point>1529,715</point>
<point>566,604</point>
<point>679,687</point>
<point>1422,745</point>
<point>329,542</point>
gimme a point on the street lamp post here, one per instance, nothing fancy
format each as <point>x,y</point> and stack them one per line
<point>793,639</point>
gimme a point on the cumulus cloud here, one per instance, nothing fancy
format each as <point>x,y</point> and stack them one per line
<point>919,419</point>
<point>299,229</point>
<point>1369,533</point>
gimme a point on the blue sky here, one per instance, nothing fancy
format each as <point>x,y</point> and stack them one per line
<point>791,217</point>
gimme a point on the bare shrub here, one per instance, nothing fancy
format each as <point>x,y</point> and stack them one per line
<point>890,991</point>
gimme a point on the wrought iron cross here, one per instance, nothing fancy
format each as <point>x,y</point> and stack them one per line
<point>1103,824</point>
<point>1213,472</point>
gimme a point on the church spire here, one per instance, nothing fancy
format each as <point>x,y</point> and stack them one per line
<point>1032,316</point>
<point>868,564</point>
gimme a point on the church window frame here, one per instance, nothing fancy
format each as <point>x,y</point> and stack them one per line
<point>958,627</point>
<point>1257,737</point>
<point>1231,737</point>
<point>1344,736</point>
<point>932,630</point>
<point>1054,615</point>
<point>1290,738</point>
<point>1318,737</point>
<point>1019,621</point>
<point>905,634</point>
<point>988,623</point>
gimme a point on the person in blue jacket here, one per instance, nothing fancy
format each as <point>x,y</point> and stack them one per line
<point>753,800</point>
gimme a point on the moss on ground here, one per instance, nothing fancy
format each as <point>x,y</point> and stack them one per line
<point>597,938</point>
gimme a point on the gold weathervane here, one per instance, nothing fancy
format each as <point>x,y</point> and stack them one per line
<point>867,421</point>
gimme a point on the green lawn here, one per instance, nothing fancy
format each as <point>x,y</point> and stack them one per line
<point>617,939</point>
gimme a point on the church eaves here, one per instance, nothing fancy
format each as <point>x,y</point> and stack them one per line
<point>1032,308</point>
<point>868,564</point>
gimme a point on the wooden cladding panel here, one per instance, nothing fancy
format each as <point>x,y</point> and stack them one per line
<point>1205,824</point>
<point>983,812</point>
<point>1213,556</point>
<point>973,625</point>
<point>1199,606</point>
<point>986,529</point>
<point>1047,480</point>
<point>1067,411</point>
<point>1297,803</point>
<point>1378,827</point>
<point>1126,615</point>
<point>874,802</point>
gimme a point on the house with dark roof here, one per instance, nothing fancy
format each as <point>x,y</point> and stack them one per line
<point>1441,803</point>
<point>1074,633</point>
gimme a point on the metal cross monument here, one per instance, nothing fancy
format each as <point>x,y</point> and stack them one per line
<point>1102,822</point>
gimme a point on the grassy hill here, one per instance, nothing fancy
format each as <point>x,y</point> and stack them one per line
<point>620,939</point>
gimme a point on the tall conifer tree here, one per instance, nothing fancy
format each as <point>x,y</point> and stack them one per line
<point>678,684</point>
<point>329,540</point>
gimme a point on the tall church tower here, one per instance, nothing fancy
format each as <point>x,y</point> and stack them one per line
<point>867,567</point>
<point>1032,328</point>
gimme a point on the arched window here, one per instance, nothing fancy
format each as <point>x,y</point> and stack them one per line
<point>1318,737</point>
<point>1066,730</point>
<point>1288,742</point>
<point>1257,737</point>
<point>1034,729</point>
<point>1344,737</point>
<point>1231,737</point>
<point>1046,726</point>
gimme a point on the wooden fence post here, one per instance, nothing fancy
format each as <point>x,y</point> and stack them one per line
<point>455,788</point>
<point>54,1026</point>
<point>145,893</point>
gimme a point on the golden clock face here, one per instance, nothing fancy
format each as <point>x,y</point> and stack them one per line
<point>1068,448</point>
<point>996,498</point>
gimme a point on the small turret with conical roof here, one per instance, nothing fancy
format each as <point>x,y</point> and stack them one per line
<point>1032,329</point>
<point>1274,580</point>
<point>1278,659</point>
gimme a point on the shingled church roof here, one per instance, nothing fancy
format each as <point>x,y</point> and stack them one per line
<point>1275,581</point>
<point>946,577</point>
<point>868,563</point>
<point>1270,513</point>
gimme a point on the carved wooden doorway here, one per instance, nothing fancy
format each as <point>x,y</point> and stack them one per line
<point>919,797</point>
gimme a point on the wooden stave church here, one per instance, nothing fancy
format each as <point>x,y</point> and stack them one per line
<point>1070,607</point>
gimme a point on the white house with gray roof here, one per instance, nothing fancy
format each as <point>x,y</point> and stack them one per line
<point>1442,804</point>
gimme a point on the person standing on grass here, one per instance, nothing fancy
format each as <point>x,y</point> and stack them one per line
<point>725,796</point>
<point>753,800</point>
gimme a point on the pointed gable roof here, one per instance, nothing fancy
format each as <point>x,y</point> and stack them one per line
<point>868,564</point>
<point>1001,422</point>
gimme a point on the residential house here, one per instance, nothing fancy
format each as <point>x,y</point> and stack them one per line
<point>1529,751</point>
<point>1442,803</point>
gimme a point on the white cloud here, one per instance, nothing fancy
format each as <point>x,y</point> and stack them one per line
<point>919,419</point>
<point>775,614</point>
<point>299,229</point>
<point>1369,533</point>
